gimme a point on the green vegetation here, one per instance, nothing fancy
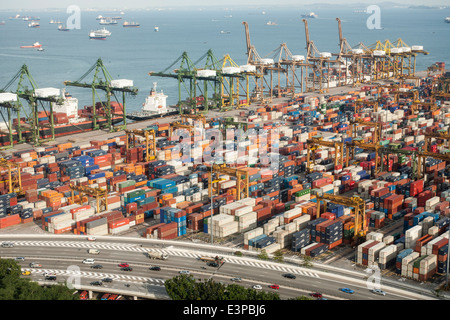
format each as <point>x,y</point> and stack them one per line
<point>278,256</point>
<point>13,287</point>
<point>302,298</point>
<point>263,255</point>
<point>238,253</point>
<point>307,262</point>
<point>185,287</point>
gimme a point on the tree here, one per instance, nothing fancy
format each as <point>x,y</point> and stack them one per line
<point>263,255</point>
<point>185,288</point>
<point>238,253</point>
<point>301,298</point>
<point>181,287</point>
<point>13,287</point>
<point>307,262</point>
<point>278,256</point>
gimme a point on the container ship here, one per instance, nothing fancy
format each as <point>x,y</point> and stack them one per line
<point>35,45</point>
<point>63,28</point>
<point>127,24</point>
<point>447,19</point>
<point>34,24</point>
<point>154,107</point>
<point>108,21</point>
<point>67,118</point>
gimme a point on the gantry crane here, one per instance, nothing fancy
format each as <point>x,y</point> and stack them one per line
<point>319,61</point>
<point>150,144</point>
<point>414,94</point>
<point>356,122</point>
<point>355,202</point>
<point>195,117</point>
<point>14,178</point>
<point>313,144</point>
<point>100,195</point>
<point>432,106</point>
<point>261,65</point>
<point>105,84</point>
<point>10,104</point>
<point>435,135</point>
<point>357,143</point>
<point>34,101</point>
<point>290,63</point>
<point>361,103</point>
<point>177,125</point>
<point>242,179</point>
<point>350,58</point>
<point>421,156</point>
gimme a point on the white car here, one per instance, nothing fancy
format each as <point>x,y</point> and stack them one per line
<point>184,272</point>
<point>257,287</point>
<point>46,274</point>
<point>378,291</point>
<point>91,238</point>
<point>88,261</point>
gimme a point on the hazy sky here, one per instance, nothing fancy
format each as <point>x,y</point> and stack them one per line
<point>119,4</point>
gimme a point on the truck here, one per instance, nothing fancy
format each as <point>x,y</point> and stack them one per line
<point>216,259</point>
<point>157,255</point>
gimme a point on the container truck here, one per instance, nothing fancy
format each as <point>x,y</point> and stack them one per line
<point>216,259</point>
<point>157,255</point>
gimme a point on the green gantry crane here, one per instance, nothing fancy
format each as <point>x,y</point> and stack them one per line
<point>103,81</point>
<point>34,103</point>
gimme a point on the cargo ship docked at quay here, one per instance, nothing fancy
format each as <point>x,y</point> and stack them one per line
<point>68,119</point>
<point>155,106</point>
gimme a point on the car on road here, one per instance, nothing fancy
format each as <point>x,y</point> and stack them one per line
<point>26,273</point>
<point>184,272</point>
<point>97,266</point>
<point>124,265</point>
<point>274,286</point>
<point>107,280</point>
<point>7,244</point>
<point>94,251</point>
<point>113,297</point>
<point>237,279</point>
<point>51,278</point>
<point>89,261</point>
<point>155,268</point>
<point>257,287</point>
<point>20,259</point>
<point>126,269</point>
<point>378,291</point>
<point>91,238</point>
<point>35,265</point>
<point>289,275</point>
<point>96,283</point>
<point>315,295</point>
<point>212,264</point>
<point>347,290</point>
<point>46,274</point>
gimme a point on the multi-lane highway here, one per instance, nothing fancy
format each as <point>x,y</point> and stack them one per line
<point>63,255</point>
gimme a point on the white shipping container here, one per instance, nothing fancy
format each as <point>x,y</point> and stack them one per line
<point>8,97</point>
<point>47,92</point>
<point>121,83</point>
